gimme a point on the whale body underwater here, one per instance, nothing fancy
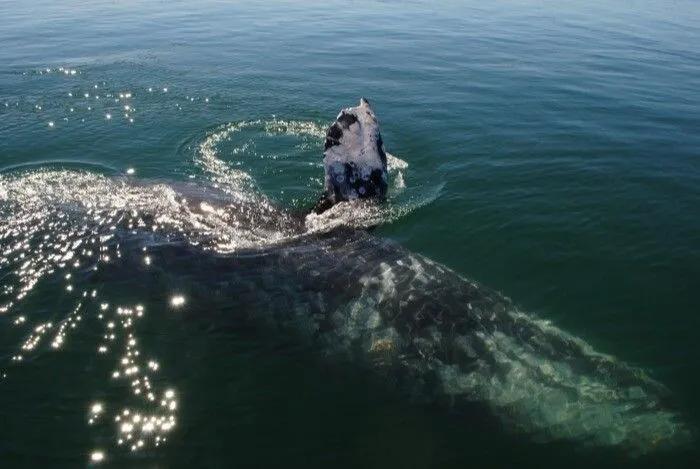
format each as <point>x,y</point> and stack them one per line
<point>356,298</point>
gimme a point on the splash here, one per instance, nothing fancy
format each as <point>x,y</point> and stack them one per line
<point>224,172</point>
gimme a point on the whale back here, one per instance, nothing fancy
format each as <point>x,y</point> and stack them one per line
<point>345,295</point>
<point>354,158</point>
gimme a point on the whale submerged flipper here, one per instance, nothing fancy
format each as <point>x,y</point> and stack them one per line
<point>354,159</point>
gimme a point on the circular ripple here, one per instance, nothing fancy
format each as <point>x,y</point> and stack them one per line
<point>282,159</point>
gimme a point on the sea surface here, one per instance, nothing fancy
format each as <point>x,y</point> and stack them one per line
<point>547,149</point>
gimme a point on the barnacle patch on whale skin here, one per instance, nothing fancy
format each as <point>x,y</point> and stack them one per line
<point>382,346</point>
<point>351,182</point>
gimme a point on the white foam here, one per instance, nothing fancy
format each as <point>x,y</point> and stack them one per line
<point>229,177</point>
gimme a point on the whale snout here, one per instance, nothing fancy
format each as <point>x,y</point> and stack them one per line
<point>354,161</point>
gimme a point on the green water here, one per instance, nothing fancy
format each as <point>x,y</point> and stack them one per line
<point>552,152</point>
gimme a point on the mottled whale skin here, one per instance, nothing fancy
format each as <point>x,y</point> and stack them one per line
<point>354,159</point>
<point>437,337</point>
<point>358,299</point>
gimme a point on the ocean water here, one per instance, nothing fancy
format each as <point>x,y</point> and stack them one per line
<point>547,149</point>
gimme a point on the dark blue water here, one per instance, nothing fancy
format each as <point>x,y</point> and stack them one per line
<point>553,154</point>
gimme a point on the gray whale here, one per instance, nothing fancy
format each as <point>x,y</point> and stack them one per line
<point>360,300</point>
<point>430,334</point>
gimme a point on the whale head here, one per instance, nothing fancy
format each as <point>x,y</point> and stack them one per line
<point>354,159</point>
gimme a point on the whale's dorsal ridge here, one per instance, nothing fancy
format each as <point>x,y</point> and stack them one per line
<point>354,158</point>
